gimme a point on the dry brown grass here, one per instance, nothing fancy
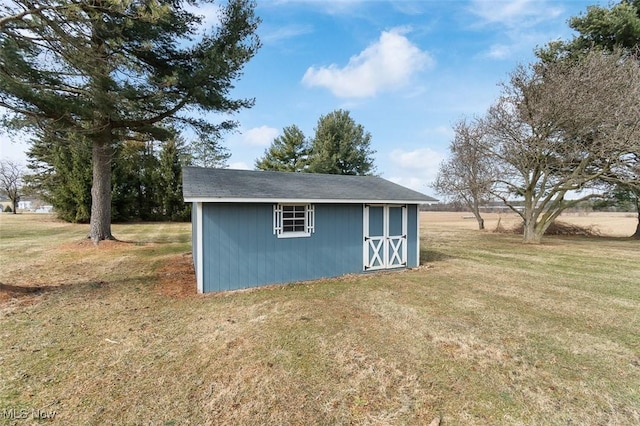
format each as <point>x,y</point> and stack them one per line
<point>488,331</point>
<point>606,224</point>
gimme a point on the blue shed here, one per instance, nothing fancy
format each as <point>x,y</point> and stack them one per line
<point>252,228</point>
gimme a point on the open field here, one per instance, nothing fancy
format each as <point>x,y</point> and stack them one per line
<point>487,331</point>
<point>609,224</point>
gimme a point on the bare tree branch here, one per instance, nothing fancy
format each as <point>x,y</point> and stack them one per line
<point>468,175</point>
<point>561,129</point>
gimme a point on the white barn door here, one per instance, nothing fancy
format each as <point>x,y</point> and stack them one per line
<point>385,236</point>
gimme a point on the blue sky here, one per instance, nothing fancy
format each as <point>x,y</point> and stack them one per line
<point>406,71</point>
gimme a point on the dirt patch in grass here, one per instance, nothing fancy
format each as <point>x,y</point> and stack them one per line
<point>38,254</point>
<point>177,277</point>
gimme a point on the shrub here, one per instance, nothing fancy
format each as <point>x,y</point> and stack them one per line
<point>557,228</point>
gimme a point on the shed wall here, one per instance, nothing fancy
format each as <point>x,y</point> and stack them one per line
<point>241,250</point>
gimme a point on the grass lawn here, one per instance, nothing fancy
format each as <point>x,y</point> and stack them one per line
<point>487,331</point>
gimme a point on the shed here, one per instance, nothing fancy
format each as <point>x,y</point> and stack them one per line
<point>253,228</point>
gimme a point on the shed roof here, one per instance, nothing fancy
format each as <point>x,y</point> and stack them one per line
<point>228,185</point>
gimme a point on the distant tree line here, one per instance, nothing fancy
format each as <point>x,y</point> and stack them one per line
<point>565,130</point>
<point>593,205</point>
<point>146,177</point>
<point>339,146</point>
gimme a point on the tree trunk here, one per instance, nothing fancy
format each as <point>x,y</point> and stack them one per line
<point>531,234</point>
<point>100,223</point>
<point>15,206</point>
<point>475,209</point>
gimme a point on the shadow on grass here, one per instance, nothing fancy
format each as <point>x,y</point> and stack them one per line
<point>117,243</point>
<point>19,290</point>
<point>433,256</point>
<point>9,291</point>
<point>156,241</point>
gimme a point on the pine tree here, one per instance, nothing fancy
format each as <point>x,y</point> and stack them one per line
<point>61,174</point>
<point>114,69</point>
<point>341,146</point>
<point>169,179</point>
<point>288,152</point>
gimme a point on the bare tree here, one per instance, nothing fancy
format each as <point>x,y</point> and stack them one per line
<point>624,184</point>
<point>11,182</point>
<point>559,129</point>
<point>467,175</point>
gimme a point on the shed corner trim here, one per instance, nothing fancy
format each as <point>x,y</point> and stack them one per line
<point>199,249</point>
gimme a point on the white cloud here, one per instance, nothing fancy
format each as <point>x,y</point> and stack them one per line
<point>418,159</point>
<point>514,42</point>
<point>259,136</point>
<point>415,169</point>
<point>210,14</point>
<point>520,24</point>
<point>240,165</point>
<point>411,7</point>
<point>499,51</point>
<point>387,64</point>
<point>285,33</point>
<point>330,7</point>
<point>412,182</point>
<point>514,13</point>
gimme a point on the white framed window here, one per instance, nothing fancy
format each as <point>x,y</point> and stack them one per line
<point>293,220</point>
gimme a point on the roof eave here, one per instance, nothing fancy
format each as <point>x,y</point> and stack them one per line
<point>196,199</point>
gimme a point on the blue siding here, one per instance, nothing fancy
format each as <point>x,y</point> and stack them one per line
<point>240,249</point>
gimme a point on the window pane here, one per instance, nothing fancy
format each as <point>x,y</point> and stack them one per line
<point>294,218</point>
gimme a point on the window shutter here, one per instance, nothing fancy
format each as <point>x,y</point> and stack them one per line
<point>310,219</point>
<point>277,219</point>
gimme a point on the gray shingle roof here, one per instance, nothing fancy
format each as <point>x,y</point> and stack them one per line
<point>227,185</point>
